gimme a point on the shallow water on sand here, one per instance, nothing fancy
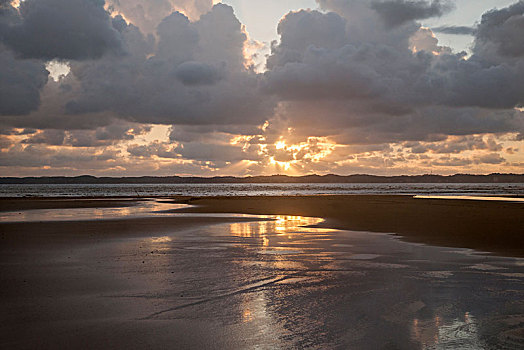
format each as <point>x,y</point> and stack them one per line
<point>279,282</point>
<point>475,198</point>
<point>141,208</point>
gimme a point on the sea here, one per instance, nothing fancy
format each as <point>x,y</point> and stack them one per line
<point>267,189</point>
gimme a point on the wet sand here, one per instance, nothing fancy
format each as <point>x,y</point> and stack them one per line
<point>13,204</point>
<point>200,281</point>
<point>489,226</point>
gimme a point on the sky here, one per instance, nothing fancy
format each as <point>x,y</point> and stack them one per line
<point>260,87</point>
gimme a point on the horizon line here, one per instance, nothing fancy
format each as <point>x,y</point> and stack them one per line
<point>252,176</point>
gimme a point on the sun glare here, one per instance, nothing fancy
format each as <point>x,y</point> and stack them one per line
<point>280,144</point>
<point>57,69</point>
<point>282,155</point>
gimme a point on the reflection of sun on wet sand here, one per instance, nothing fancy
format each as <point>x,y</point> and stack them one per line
<point>492,226</point>
<point>279,280</point>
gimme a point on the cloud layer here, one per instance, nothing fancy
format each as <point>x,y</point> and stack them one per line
<point>357,85</point>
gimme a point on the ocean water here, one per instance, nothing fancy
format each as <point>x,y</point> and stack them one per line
<point>161,190</point>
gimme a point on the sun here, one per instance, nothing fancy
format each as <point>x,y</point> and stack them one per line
<point>280,144</point>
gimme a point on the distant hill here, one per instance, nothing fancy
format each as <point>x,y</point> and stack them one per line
<point>87,179</point>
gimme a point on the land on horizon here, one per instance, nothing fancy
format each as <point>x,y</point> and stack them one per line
<point>330,178</point>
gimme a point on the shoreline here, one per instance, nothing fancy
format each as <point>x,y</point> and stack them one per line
<point>488,226</point>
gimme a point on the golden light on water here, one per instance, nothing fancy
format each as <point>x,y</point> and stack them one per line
<point>164,239</point>
<point>247,315</point>
<point>278,225</point>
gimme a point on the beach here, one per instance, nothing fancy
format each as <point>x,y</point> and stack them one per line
<point>365,272</point>
<point>495,227</point>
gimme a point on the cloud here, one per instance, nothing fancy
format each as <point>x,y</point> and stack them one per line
<point>455,30</point>
<point>455,145</point>
<point>211,152</point>
<point>389,87</point>
<point>102,136</point>
<point>61,29</point>
<point>194,76</point>
<point>13,131</point>
<point>20,83</point>
<point>451,162</point>
<point>49,137</point>
<point>39,155</point>
<point>196,73</point>
<point>492,158</point>
<point>148,14</point>
<point>358,85</point>
<point>501,32</point>
<point>398,12</point>
<point>158,149</point>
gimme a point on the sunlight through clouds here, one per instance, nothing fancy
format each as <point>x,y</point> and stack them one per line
<point>202,87</point>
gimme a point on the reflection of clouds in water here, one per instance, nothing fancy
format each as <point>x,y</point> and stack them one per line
<point>516,275</point>
<point>357,258</point>
<point>259,322</point>
<point>485,267</point>
<point>438,274</point>
<point>285,285</point>
<point>143,208</point>
<point>460,333</point>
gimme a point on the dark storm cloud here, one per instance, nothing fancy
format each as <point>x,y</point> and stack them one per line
<point>375,87</point>
<point>195,75</point>
<point>107,135</point>
<point>455,30</point>
<point>120,131</point>
<point>8,16</point>
<point>49,137</point>
<point>397,12</point>
<point>213,152</point>
<point>20,83</point>
<point>61,29</point>
<point>201,133</point>
<point>501,32</point>
<point>454,145</point>
<point>39,155</point>
<point>102,136</point>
